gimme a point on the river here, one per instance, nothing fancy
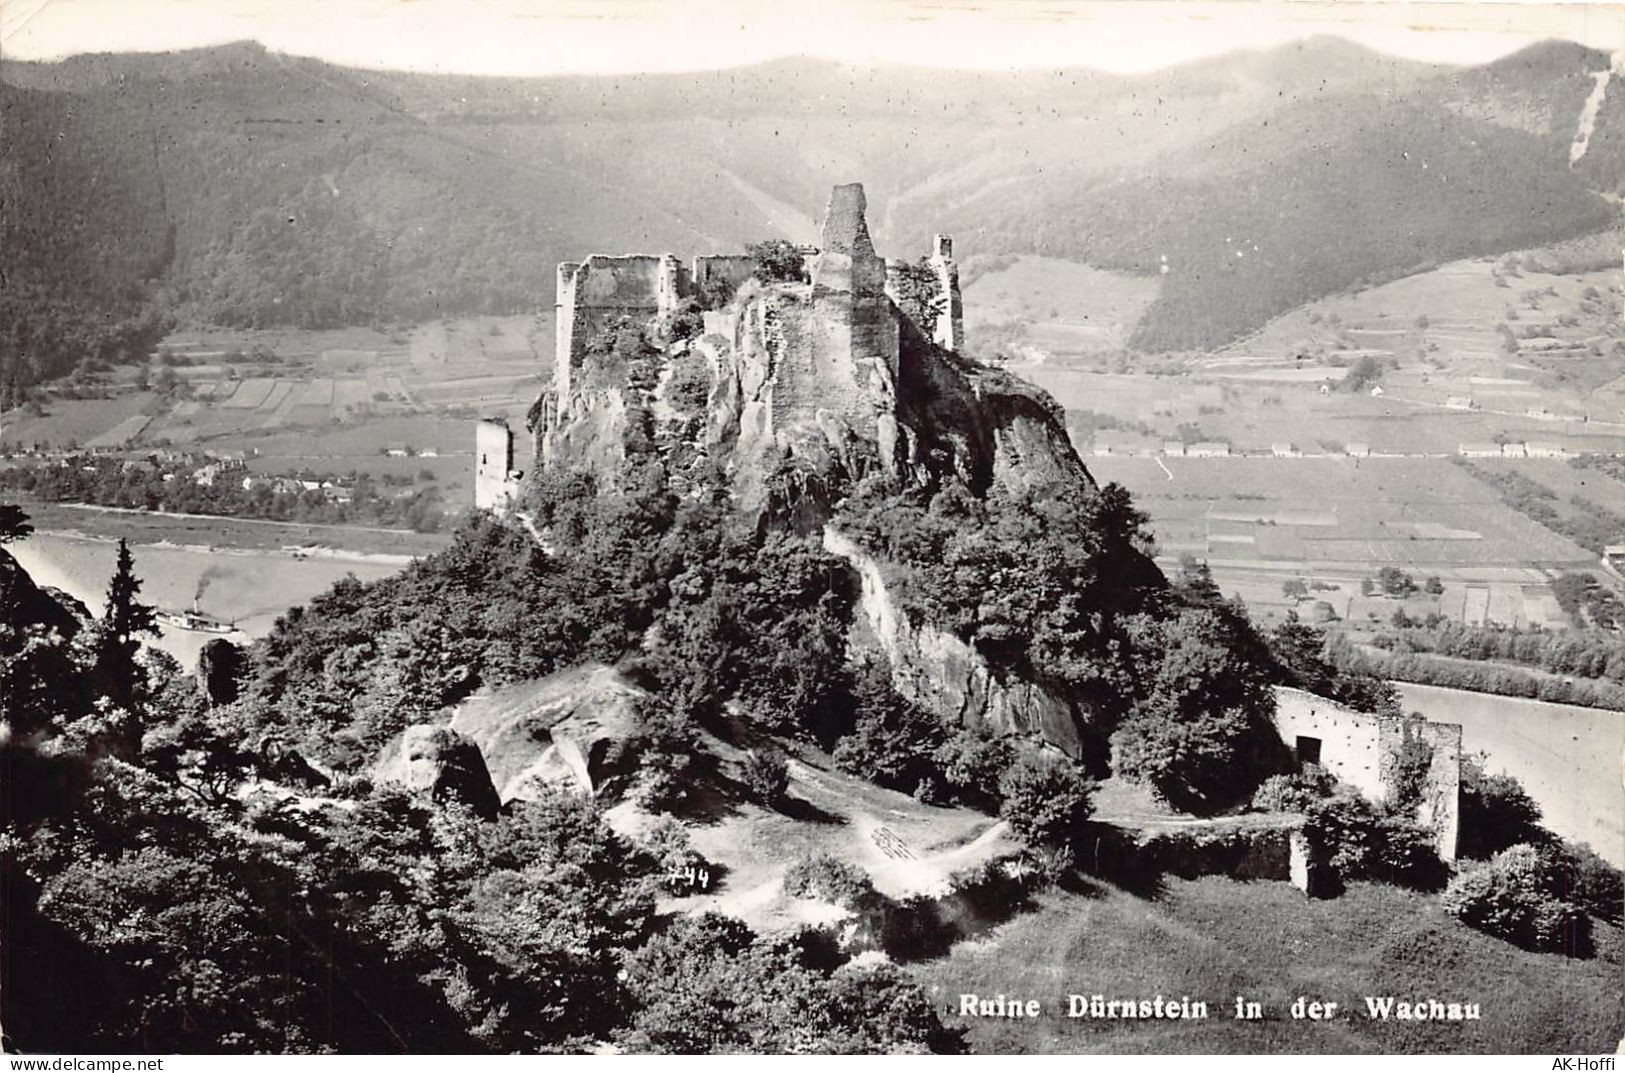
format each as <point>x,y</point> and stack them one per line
<point>248,587</point>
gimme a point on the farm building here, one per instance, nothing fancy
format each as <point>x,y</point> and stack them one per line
<point>1209,449</point>
<point>1460,402</point>
<point>1285,450</point>
<point>1173,449</point>
<point>1613,559</point>
<point>1358,450</point>
<point>1514,450</point>
<point>1546,450</point>
<point>1479,450</point>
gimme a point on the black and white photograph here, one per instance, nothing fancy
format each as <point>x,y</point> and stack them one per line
<point>620,527</point>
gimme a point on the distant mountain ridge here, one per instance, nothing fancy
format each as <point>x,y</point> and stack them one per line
<point>263,189</point>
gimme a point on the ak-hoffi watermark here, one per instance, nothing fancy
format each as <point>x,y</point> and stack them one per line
<point>1162,1007</point>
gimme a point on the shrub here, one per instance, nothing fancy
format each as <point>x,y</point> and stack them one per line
<point>1046,801</point>
<point>1359,841</point>
<point>1495,812</point>
<point>829,879</point>
<point>973,762</point>
<point>1194,762</point>
<point>1592,883</point>
<point>1296,792</point>
<point>778,261</point>
<point>1517,896</point>
<point>766,776</point>
<point>679,868</point>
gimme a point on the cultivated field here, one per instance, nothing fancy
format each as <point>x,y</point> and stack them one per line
<point>331,401</point>
<point>1334,521</point>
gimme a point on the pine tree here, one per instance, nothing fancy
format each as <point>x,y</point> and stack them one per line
<point>116,642</point>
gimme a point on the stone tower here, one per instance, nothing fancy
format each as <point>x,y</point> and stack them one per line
<point>950,332</point>
<point>494,479</point>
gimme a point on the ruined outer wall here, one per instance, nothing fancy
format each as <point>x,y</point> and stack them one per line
<point>732,269</point>
<point>493,464</point>
<point>1363,750</point>
<point>601,290</point>
<point>1351,745</point>
<point>1441,793</point>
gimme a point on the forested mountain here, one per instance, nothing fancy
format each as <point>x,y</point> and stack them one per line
<point>241,187</point>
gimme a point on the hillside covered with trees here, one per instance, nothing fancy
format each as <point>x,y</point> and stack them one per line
<point>238,187</point>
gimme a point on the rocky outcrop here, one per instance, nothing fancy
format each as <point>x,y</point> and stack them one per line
<point>220,666</point>
<point>26,604</point>
<point>945,675</point>
<point>566,730</point>
<point>815,384</point>
<point>442,763</point>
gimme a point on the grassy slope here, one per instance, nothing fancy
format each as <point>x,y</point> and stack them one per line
<point>1215,939</point>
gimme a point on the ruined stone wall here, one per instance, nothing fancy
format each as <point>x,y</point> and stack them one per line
<point>601,290</point>
<point>1440,807</point>
<point>857,321</point>
<point>1363,750</point>
<point>1350,741</point>
<point>950,328</point>
<point>494,479</point>
<point>732,269</point>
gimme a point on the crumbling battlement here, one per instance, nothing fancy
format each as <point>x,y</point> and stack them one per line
<point>812,383</point>
<point>846,270</point>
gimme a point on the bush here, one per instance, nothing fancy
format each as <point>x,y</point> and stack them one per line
<point>679,868</point>
<point>778,261</point>
<point>1046,801</point>
<point>766,775</point>
<point>829,879</point>
<point>1496,813</point>
<point>1194,762</point>
<point>1359,841</point>
<point>973,762</point>
<point>1592,883</point>
<point>1296,792</point>
<point>1518,896</point>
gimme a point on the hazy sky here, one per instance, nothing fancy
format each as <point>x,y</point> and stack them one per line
<point>552,36</point>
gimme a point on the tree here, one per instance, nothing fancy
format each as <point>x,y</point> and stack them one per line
<point>1496,812</point>
<point>1395,582</point>
<point>1519,896</point>
<point>778,261</point>
<point>766,775</point>
<point>13,524</point>
<point>1046,801</point>
<point>919,293</point>
<point>125,619</point>
<point>1295,588</point>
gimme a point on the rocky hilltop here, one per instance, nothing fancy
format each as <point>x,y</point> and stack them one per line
<point>793,389</point>
<point>789,393</point>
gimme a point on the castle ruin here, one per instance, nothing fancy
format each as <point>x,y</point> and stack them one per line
<point>1365,751</point>
<point>846,272</point>
<point>496,482</point>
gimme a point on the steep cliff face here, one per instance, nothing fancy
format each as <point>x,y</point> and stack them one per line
<point>796,390</point>
<point>943,674</point>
